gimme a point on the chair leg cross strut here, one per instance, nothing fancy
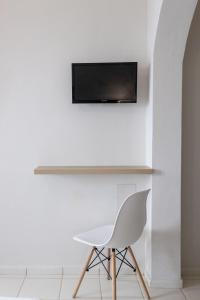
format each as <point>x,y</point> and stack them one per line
<point>119,255</point>
<point>113,255</point>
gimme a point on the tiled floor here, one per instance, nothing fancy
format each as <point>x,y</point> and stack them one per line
<point>93,288</point>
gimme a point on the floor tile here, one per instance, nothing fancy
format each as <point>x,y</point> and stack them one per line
<point>192,294</point>
<point>9,287</point>
<point>166,294</point>
<point>43,288</point>
<point>126,288</point>
<point>89,289</point>
<point>132,277</point>
<point>192,289</point>
<point>50,288</point>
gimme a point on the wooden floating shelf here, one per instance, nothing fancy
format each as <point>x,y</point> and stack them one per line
<point>93,170</point>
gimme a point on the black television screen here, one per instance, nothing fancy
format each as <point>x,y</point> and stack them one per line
<point>104,82</point>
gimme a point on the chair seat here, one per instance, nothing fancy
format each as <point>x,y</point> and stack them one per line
<point>97,237</point>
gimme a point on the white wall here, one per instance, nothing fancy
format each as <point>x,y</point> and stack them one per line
<point>153,13</point>
<point>190,151</point>
<point>39,125</point>
<point>173,26</point>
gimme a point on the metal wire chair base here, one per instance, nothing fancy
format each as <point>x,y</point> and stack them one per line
<point>101,258</point>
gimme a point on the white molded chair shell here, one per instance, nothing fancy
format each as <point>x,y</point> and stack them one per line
<point>128,226</point>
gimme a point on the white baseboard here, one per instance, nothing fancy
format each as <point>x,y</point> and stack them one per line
<point>44,270</point>
<point>191,273</point>
<point>54,270</point>
<point>13,270</point>
<point>76,270</point>
<point>164,283</point>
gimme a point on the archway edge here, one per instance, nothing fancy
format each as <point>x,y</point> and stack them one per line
<point>166,100</point>
<point>173,26</point>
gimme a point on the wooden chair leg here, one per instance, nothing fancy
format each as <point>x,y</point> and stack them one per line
<point>139,272</point>
<point>113,264</point>
<point>83,273</point>
<point>109,255</point>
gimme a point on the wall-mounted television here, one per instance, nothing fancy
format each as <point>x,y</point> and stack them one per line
<point>114,82</point>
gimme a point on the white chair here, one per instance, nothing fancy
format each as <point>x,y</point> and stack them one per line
<point>126,230</point>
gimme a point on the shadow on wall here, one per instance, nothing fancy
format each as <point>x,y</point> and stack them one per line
<point>191,150</point>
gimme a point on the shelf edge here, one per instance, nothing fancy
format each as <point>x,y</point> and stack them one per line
<point>93,170</point>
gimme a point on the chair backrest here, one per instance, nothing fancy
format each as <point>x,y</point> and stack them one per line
<point>130,220</point>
